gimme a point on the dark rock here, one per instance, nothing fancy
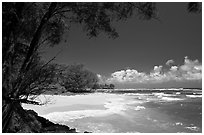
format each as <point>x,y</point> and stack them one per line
<point>32,123</point>
<point>50,127</point>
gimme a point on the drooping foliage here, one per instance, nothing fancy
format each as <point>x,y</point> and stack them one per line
<point>194,7</point>
<point>78,79</point>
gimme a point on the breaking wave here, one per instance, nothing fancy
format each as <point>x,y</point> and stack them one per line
<point>193,96</point>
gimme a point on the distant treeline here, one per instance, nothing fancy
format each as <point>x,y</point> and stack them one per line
<point>104,86</point>
<point>75,78</point>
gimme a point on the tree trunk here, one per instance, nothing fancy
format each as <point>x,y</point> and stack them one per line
<point>16,119</point>
<point>37,35</point>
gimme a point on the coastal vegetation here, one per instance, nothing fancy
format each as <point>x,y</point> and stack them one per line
<point>77,79</point>
<point>74,78</point>
<point>104,86</point>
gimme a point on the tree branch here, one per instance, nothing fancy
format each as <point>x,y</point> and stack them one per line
<point>35,41</point>
<point>38,34</point>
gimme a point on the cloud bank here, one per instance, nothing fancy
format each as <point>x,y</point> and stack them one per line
<point>191,70</point>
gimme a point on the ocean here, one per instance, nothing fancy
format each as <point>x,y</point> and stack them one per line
<point>126,111</point>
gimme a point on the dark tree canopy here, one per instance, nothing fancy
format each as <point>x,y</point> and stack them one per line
<point>78,79</point>
<point>194,7</point>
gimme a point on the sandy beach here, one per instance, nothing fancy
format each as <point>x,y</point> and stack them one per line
<point>122,113</point>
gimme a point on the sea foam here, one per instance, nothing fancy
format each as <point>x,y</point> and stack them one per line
<point>193,96</point>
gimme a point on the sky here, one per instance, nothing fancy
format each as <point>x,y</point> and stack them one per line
<point>147,54</point>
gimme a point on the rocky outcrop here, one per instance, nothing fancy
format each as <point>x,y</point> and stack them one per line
<point>49,127</point>
<point>32,123</point>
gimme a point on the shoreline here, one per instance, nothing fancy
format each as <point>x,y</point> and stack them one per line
<point>131,107</point>
<point>104,91</point>
<point>126,90</point>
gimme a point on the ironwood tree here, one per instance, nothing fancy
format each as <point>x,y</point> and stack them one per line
<point>78,79</point>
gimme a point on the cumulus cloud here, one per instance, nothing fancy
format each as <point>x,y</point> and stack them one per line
<point>190,70</point>
<point>128,75</point>
<point>173,68</point>
<point>169,62</point>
